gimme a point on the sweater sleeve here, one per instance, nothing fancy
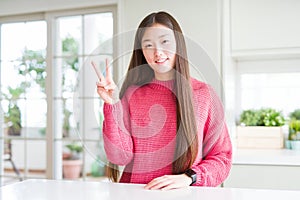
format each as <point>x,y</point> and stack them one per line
<point>216,161</point>
<point>116,136</point>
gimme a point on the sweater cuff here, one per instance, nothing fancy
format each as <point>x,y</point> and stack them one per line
<point>199,181</point>
<point>111,107</point>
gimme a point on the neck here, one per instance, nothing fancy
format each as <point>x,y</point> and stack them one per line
<point>162,85</point>
<point>165,76</point>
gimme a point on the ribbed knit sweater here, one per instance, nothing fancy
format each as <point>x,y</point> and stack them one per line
<point>139,133</point>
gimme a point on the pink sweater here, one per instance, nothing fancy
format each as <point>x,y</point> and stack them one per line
<point>140,132</point>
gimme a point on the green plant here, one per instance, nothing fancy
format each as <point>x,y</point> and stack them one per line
<point>33,65</point>
<point>271,117</point>
<point>12,118</point>
<point>262,117</point>
<point>97,167</point>
<point>294,130</point>
<point>249,118</point>
<point>66,123</point>
<point>70,48</point>
<point>75,151</point>
<point>295,114</point>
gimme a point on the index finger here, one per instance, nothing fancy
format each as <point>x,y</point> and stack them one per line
<point>99,74</point>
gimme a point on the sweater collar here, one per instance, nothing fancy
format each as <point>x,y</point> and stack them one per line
<point>162,85</point>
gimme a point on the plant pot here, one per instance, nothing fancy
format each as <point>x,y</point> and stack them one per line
<point>295,145</point>
<point>262,137</point>
<point>288,144</point>
<point>97,169</point>
<point>72,168</point>
<point>13,132</point>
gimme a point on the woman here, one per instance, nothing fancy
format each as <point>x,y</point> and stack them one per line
<point>167,129</point>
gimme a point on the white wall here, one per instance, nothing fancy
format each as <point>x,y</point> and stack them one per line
<point>265,24</point>
<point>200,21</point>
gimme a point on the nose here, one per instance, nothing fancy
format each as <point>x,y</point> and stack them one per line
<point>158,52</point>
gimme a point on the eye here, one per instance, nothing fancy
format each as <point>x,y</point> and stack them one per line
<point>165,41</point>
<point>147,45</point>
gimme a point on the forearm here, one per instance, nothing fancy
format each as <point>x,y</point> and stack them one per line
<point>117,140</point>
<point>216,165</point>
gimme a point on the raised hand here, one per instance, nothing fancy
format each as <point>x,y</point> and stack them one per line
<point>106,87</point>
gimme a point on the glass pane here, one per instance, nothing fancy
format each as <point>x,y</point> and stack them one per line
<point>66,77</point>
<point>271,90</point>
<point>69,35</point>
<point>98,29</point>
<point>22,70</point>
<point>92,116</point>
<point>14,154</point>
<point>10,76</point>
<point>36,159</point>
<point>95,160</point>
<point>10,34</point>
<point>65,123</point>
<point>25,35</point>
<point>36,118</point>
<point>69,78</point>
<point>70,127</point>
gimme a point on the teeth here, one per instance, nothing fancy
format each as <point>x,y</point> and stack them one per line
<point>160,61</point>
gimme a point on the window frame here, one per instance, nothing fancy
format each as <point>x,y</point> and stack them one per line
<point>53,152</point>
<point>54,163</point>
<point>4,20</point>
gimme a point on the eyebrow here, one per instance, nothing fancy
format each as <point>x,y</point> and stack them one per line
<point>147,40</point>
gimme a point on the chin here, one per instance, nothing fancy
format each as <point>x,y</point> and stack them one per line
<point>163,71</point>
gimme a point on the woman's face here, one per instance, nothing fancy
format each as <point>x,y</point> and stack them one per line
<point>159,49</point>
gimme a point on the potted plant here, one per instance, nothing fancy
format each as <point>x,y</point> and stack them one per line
<point>295,114</point>
<point>72,162</point>
<point>12,117</point>
<point>260,128</point>
<point>293,141</point>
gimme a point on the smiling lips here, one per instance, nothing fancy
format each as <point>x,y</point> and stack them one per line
<point>161,61</point>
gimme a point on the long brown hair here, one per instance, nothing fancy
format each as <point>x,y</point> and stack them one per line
<point>186,136</point>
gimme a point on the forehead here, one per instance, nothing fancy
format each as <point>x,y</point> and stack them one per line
<point>156,31</point>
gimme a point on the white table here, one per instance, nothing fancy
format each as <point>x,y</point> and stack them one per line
<point>79,190</point>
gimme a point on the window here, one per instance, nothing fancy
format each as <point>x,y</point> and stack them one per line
<point>269,83</point>
<point>52,87</point>
<point>23,98</point>
<point>276,90</point>
<point>79,40</point>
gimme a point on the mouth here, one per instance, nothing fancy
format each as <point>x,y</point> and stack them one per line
<point>161,61</point>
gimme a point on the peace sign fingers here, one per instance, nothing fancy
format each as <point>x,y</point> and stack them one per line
<point>106,87</point>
